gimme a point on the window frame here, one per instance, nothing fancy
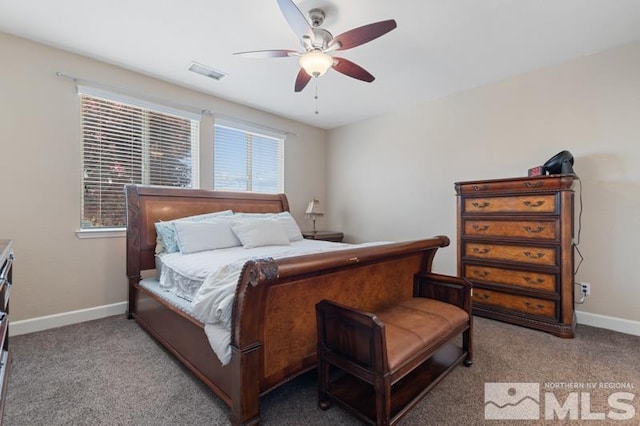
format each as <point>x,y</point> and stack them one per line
<point>250,131</point>
<point>110,96</point>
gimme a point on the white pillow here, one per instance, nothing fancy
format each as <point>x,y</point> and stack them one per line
<point>254,215</point>
<point>210,235</point>
<point>259,232</point>
<point>166,241</point>
<point>290,226</point>
<point>284,218</point>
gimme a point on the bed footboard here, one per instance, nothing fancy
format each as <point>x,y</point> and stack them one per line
<point>274,325</point>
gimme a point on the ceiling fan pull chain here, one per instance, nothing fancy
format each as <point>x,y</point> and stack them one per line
<point>316,96</point>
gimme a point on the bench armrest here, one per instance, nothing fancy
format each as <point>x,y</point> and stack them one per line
<point>445,288</point>
<point>346,333</point>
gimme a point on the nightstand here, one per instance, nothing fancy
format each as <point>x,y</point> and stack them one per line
<point>336,237</point>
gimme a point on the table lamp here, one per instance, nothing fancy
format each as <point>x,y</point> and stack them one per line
<point>313,212</point>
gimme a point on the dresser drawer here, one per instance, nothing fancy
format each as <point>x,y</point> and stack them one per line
<point>520,204</point>
<point>511,253</point>
<point>536,229</point>
<point>511,277</point>
<point>524,304</point>
<point>516,185</point>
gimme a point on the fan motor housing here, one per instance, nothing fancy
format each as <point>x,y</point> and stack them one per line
<point>321,38</point>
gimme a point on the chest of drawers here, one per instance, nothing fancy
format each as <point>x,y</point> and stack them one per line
<point>515,243</point>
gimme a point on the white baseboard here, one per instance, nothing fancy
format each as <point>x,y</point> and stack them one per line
<point>610,323</point>
<point>65,318</point>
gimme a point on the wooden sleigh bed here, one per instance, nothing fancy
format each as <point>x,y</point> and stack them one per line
<point>273,331</point>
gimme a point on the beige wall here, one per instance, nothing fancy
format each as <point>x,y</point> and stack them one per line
<point>55,271</point>
<point>590,106</point>
<point>392,177</point>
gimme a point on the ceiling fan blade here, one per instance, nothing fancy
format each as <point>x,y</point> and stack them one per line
<point>301,80</point>
<point>295,18</point>
<point>281,53</point>
<point>350,69</point>
<point>362,35</point>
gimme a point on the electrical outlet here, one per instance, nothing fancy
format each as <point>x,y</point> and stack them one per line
<point>586,288</point>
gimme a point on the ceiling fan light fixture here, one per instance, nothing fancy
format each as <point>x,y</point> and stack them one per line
<point>315,62</point>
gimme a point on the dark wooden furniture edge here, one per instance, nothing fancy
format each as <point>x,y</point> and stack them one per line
<point>565,331</point>
<point>529,183</point>
<point>6,282</point>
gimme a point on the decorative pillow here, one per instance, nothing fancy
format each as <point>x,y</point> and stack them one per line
<point>259,232</point>
<point>205,235</point>
<point>284,218</point>
<point>166,241</point>
<point>290,226</point>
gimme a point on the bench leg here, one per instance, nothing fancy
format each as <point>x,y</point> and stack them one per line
<point>323,383</point>
<point>382,388</point>
<point>467,346</point>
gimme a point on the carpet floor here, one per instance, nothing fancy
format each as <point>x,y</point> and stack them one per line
<point>110,372</point>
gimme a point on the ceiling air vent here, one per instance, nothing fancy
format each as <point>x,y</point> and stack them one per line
<point>206,71</point>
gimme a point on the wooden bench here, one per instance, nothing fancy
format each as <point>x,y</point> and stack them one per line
<point>378,365</point>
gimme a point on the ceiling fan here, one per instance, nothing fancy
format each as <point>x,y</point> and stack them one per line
<point>318,42</point>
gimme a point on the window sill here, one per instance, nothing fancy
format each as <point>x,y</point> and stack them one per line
<point>101,233</point>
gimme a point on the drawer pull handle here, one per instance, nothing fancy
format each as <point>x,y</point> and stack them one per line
<point>533,185</point>
<point>534,231</point>
<point>481,251</point>
<point>533,281</point>
<point>480,187</point>
<point>533,306</point>
<point>533,204</point>
<point>481,205</point>
<point>480,227</point>
<point>481,274</point>
<point>482,296</point>
<point>537,255</point>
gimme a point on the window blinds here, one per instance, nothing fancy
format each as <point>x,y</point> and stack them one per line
<point>125,143</point>
<point>245,160</point>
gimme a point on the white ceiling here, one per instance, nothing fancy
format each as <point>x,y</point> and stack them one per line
<point>440,46</point>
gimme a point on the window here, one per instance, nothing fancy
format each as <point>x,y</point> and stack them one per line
<point>245,160</point>
<point>130,141</point>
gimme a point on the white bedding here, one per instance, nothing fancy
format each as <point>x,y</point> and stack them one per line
<point>208,279</point>
<point>184,274</point>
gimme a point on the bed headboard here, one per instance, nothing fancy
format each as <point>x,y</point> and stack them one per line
<point>147,205</point>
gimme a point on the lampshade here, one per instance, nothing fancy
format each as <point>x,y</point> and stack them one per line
<point>313,209</point>
<point>315,62</point>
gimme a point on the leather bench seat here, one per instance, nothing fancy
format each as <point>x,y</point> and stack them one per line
<point>418,325</point>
